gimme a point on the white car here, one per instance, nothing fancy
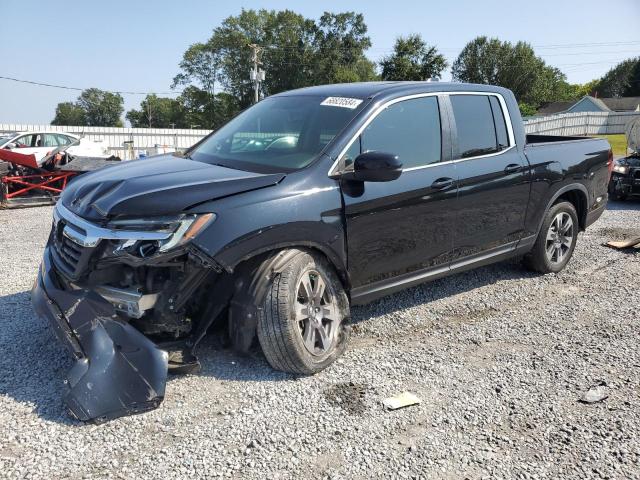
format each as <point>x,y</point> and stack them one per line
<point>41,144</point>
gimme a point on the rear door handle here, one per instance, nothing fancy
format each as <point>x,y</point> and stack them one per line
<point>442,183</point>
<point>512,168</point>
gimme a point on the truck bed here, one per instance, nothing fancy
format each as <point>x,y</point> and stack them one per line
<point>536,138</point>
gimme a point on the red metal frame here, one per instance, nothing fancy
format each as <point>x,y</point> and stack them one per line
<point>46,181</point>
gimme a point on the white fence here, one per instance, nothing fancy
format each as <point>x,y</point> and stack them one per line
<point>583,123</point>
<point>144,139</point>
<point>154,140</point>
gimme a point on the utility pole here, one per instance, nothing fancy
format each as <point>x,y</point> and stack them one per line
<point>257,75</point>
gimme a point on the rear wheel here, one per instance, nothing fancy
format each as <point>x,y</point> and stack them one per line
<point>556,240</point>
<point>303,325</point>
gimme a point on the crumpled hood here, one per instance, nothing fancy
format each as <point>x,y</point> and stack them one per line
<point>156,186</point>
<point>631,161</point>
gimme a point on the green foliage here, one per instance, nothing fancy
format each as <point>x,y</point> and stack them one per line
<point>623,80</point>
<point>206,110</point>
<point>158,112</point>
<point>339,44</point>
<point>102,109</point>
<point>589,88</point>
<point>297,52</point>
<point>200,64</point>
<point>94,107</point>
<point>412,59</point>
<point>514,66</point>
<point>527,110</point>
<point>69,113</point>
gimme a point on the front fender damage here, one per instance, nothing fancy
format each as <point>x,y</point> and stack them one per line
<point>118,371</point>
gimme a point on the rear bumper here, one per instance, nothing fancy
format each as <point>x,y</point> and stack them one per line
<point>118,371</point>
<point>595,214</point>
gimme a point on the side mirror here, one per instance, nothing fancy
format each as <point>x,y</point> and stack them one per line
<point>10,146</point>
<point>375,167</point>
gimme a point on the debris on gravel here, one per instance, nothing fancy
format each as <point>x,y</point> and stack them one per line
<point>497,355</point>
<point>595,394</point>
<point>405,399</point>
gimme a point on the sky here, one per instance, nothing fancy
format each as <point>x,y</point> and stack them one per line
<point>136,45</point>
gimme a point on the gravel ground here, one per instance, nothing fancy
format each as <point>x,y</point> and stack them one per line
<point>499,357</point>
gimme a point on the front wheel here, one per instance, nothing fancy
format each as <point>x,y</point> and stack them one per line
<point>556,240</point>
<point>302,327</point>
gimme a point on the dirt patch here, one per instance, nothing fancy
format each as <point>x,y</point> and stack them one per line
<point>348,396</point>
<point>618,234</point>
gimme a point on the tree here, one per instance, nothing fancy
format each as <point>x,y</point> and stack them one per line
<point>295,52</point>
<point>94,107</point>
<point>490,61</point>
<point>200,64</point>
<point>158,112</point>
<point>412,59</point>
<point>340,42</point>
<point>69,113</point>
<point>589,88</point>
<point>623,80</point>
<point>199,108</point>
<point>527,110</point>
<point>101,108</point>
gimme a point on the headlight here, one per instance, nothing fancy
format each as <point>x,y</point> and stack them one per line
<point>623,169</point>
<point>179,229</point>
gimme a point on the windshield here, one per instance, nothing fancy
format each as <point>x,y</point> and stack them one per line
<point>279,134</point>
<point>5,139</point>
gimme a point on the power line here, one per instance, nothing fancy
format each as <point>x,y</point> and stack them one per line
<point>390,49</point>
<point>65,87</point>
<point>571,67</point>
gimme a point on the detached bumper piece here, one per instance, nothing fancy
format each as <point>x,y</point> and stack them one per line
<point>118,371</point>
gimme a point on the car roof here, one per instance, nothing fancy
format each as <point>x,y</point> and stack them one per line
<point>365,90</point>
<point>38,132</point>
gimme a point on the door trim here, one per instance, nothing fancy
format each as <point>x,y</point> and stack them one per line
<point>503,104</point>
<point>368,293</point>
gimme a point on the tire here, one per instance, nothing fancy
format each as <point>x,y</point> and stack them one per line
<point>294,338</point>
<point>552,252</point>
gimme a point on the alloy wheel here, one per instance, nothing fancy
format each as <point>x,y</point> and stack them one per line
<point>317,313</point>
<point>559,238</point>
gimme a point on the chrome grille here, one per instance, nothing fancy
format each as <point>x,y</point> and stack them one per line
<point>75,240</point>
<point>69,257</point>
<point>70,252</point>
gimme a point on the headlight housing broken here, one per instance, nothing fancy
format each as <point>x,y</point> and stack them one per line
<point>179,229</point>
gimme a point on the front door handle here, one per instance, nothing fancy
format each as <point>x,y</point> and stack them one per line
<point>442,183</point>
<point>512,168</point>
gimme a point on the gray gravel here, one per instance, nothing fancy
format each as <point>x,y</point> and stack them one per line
<point>500,358</point>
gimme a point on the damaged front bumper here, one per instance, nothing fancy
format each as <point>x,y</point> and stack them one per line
<point>118,371</point>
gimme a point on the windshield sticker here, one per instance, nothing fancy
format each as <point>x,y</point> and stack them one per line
<point>342,102</point>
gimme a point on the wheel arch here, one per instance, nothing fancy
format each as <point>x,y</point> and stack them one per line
<point>577,195</point>
<point>252,274</point>
<point>262,254</point>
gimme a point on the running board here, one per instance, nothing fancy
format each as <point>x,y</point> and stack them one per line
<point>368,293</point>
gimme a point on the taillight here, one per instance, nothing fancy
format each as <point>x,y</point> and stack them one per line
<point>610,163</point>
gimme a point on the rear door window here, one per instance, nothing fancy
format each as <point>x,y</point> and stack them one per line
<point>409,129</point>
<point>500,122</point>
<point>474,124</point>
<point>63,139</point>
<point>50,140</point>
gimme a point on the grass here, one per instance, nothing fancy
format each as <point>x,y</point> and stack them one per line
<point>618,143</point>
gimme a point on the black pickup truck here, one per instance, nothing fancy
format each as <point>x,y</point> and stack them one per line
<point>305,204</point>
